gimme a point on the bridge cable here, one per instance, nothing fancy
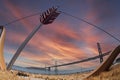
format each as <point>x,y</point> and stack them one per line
<point>68,15</point>
<point>16,20</point>
<point>92,25</point>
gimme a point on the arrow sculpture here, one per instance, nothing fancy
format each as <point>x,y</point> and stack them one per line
<point>46,17</point>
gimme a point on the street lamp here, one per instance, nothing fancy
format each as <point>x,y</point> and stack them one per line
<point>46,17</point>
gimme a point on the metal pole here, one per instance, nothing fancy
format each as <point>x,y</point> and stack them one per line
<point>22,47</point>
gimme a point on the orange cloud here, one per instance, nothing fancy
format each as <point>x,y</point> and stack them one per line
<point>17,13</point>
<point>56,41</point>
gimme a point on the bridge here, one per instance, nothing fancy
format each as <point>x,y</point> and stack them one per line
<point>81,61</point>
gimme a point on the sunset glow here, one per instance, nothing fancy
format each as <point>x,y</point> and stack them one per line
<point>66,39</point>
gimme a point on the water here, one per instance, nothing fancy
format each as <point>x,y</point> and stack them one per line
<point>37,71</point>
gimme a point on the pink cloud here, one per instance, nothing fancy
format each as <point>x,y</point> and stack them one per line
<point>56,40</point>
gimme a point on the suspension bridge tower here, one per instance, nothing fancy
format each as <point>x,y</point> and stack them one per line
<point>100,52</point>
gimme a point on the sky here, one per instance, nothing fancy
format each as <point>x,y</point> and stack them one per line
<point>66,39</point>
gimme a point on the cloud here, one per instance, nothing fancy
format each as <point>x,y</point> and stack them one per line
<point>55,41</point>
<point>105,9</point>
<point>17,13</point>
